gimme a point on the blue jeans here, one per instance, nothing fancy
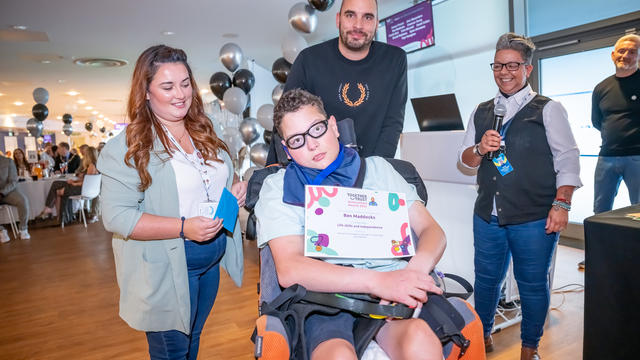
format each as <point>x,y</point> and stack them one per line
<point>610,171</point>
<point>203,265</point>
<point>532,250</point>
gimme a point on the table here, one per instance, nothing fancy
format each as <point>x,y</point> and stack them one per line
<point>36,192</point>
<point>612,295</point>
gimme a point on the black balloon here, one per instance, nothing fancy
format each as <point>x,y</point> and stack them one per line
<point>88,126</point>
<point>219,83</point>
<point>321,5</point>
<point>40,111</point>
<point>244,79</point>
<point>247,110</point>
<point>280,70</point>
<point>103,129</point>
<point>67,118</point>
<point>267,135</point>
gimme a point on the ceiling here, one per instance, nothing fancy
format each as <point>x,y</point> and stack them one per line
<point>121,29</point>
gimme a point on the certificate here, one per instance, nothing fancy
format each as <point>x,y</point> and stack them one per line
<point>356,223</point>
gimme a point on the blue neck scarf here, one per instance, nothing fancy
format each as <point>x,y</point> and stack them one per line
<point>343,171</point>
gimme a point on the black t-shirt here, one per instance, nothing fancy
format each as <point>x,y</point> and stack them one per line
<point>371,91</point>
<point>615,111</point>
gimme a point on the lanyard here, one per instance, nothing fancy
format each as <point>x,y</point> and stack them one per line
<point>198,164</point>
<point>504,129</point>
<point>327,171</point>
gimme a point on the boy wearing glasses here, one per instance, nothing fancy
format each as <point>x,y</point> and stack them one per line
<point>524,191</point>
<point>311,141</point>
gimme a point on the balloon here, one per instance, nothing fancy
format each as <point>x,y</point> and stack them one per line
<point>292,44</point>
<point>35,127</point>
<point>303,17</point>
<point>40,112</point>
<point>232,137</point>
<point>102,129</point>
<point>267,136</point>
<point>219,83</point>
<point>231,56</point>
<point>67,129</point>
<point>265,116</point>
<point>40,95</point>
<point>249,130</point>
<point>67,118</point>
<point>258,154</point>
<point>277,93</point>
<point>235,100</point>
<point>280,69</point>
<point>88,125</point>
<point>244,79</point>
<point>247,173</point>
<point>321,5</point>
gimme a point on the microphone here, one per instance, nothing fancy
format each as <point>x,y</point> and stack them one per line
<point>498,114</point>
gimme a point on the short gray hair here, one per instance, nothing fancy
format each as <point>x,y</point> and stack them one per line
<point>519,43</point>
<point>629,37</point>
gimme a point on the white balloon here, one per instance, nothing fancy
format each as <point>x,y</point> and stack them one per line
<point>265,116</point>
<point>292,44</point>
<point>235,100</point>
<point>232,137</point>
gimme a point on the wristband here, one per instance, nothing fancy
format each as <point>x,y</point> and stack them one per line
<point>182,228</point>
<point>562,205</point>
<point>476,150</point>
<point>563,200</point>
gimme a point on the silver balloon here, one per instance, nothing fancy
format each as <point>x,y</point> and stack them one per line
<point>247,173</point>
<point>34,127</point>
<point>258,154</point>
<point>265,116</point>
<point>231,56</point>
<point>235,100</point>
<point>232,137</point>
<point>41,95</point>
<point>249,130</point>
<point>303,17</point>
<point>292,44</point>
<point>67,129</point>
<point>277,93</point>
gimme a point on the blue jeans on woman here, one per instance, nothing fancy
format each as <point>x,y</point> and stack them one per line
<point>203,265</point>
<point>610,171</point>
<point>532,250</point>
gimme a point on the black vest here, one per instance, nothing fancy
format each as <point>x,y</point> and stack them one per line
<point>526,193</point>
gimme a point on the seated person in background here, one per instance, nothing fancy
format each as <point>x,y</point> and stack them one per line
<point>311,140</point>
<point>72,161</point>
<point>60,189</point>
<point>47,156</point>
<point>11,194</point>
<point>22,165</point>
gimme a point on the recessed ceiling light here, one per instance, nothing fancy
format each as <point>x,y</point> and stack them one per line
<point>45,62</point>
<point>230,35</point>
<point>59,117</point>
<point>100,62</point>
<point>1,94</point>
<point>88,107</point>
<point>72,93</point>
<point>100,116</point>
<point>94,112</point>
<point>168,33</point>
<point>204,91</point>
<point>61,81</point>
<point>81,101</point>
<point>19,27</point>
<point>18,103</point>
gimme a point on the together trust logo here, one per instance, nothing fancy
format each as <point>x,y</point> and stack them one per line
<point>353,96</point>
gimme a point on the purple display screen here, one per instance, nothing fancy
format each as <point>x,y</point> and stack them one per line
<point>410,29</point>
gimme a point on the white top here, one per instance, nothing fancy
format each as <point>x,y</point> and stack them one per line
<point>191,191</point>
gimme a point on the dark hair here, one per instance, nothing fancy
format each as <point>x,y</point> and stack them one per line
<point>24,161</point>
<point>292,101</point>
<point>64,145</point>
<point>519,43</point>
<point>54,148</point>
<point>140,132</point>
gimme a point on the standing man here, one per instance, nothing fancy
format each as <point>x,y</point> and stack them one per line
<point>358,78</point>
<point>524,193</point>
<point>615,111</point>
<point>11,194</point>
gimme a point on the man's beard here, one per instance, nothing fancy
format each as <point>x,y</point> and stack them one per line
<point>356,45</point>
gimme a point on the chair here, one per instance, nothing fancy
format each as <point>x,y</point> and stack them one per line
<point>12,220</point>
<point>90,190</point>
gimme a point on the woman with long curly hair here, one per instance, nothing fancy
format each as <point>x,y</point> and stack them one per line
<point>156,176</point>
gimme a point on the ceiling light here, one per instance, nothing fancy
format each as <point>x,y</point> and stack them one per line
<point>18,103</point>
<point>168,33</point>
<point>19,27</point>
<point>45,62</point>
<point>204,91</point>
<point>230,35</point>
<point>1,94</point>
<point>59,117</point>
<point>88,107</point>
<point>94,112</point>
<point>101,116</point>
<point>72,93</point>
<point>100,62</point>
<point>61,81</point>
<point>81,101</point>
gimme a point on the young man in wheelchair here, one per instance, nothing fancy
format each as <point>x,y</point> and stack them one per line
<point>311,141</point>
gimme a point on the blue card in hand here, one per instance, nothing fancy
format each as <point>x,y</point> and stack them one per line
<point>227,210</point>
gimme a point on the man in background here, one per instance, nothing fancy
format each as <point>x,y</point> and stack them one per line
<point>73,161</point>
<point>358,78</point>
<point>10,194</point>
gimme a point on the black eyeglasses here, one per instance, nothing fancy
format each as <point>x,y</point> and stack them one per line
<point>315,131</point>
<point>511,66</point>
